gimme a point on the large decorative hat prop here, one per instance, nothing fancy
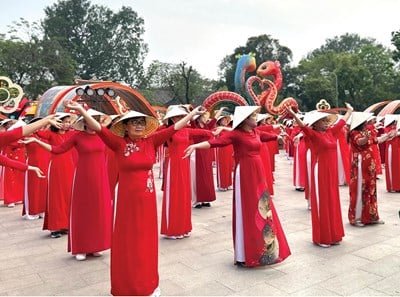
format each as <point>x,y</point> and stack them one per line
<point>242,113</point>
<point>118,127</point>
<point>358,118</point>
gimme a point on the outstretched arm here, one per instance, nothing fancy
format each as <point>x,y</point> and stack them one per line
<point>201,145</point>
<point>219,112</point>
<point>348,112</point>
<point>33,127</point>
<point>183,122</point>
<point>43,144</point>
<point>296,118</point>
<point>90,121</point>
<point>37,170</point>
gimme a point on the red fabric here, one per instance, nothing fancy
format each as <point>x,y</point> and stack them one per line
<point>60,177</point>
<point>7,162</point>
<point>112,169</point>
<point>9,136</point>
<point>392,162</point>
<point>375,149</point>
<point>327,224</point>
<point>36,188</point>
<point>344,153</point>
<point>134,248</point>
<point>14,180</point>
<point>369,211</point>
<point>90,217</point>
<point>177,199</point>
<point>225,164</point>
<point>299,160</point>
<point>253,188</point>
<point>204,176</point>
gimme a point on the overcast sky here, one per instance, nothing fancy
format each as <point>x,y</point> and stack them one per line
<point>203,32</point>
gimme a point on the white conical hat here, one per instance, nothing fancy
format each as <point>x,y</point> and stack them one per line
<point>262,116</point>
<point>60,115</point>
<point>174,111</point>
<point>389,119</point>
<point>5,121</point>
<point>78,124</point>
<point>17,124</point>
<point>358,117</point>
<point>227,117</point>
<point>241,113</point>
<point>313,116</point>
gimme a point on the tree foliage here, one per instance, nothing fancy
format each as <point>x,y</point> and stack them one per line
<point>396,42</point>
<point>34,63</point>
<point>183,84</point>
<point>105,45</point>
<point>356,70</point>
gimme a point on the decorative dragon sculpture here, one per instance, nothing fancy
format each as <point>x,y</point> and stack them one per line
<point>267,89</point>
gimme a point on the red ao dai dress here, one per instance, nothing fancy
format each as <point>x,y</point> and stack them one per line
<point>14,180</point>
<point>35,187</point>
<point>60,176</point>
<point>326,216</point>
<point>253,208</point>
<point>224,164</point>
<point>363,199</point>
<point>392,162</point>
<point>177,199</point>
<point>90,216</point>
<point>203,190</point>
<point>7,137</point>
<point>134,248</point>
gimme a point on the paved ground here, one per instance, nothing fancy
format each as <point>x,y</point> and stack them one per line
<point>367,263</point>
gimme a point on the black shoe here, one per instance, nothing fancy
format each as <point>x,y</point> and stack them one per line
<point>240,264</point>
<point>63,231</point>
<point>206,204</point>
<point>55,234</point>
<point>198,206</point>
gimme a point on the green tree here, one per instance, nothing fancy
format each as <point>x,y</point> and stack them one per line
<point>105,45</point>
<point>396,42</point>
<point>356,70</point>
<point>33,63</point>
<point>182,83</point>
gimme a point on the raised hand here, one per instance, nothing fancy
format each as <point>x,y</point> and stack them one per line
<point>37,170</point>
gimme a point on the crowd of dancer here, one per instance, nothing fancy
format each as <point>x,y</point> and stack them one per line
<point>91,178</point>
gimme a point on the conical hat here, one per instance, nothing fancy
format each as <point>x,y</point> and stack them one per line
<point>17,124</point>
<point>241,113</point>
<point>314,116</point>
<point>62,115</point>
<point>174,111</point>
<point>389,119</point>
<point>5,121</point>
<point>78,124</point>
<point>118,128</point>
<point>262,116</point>
<point>227,117</point>
<point>358,118</point>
